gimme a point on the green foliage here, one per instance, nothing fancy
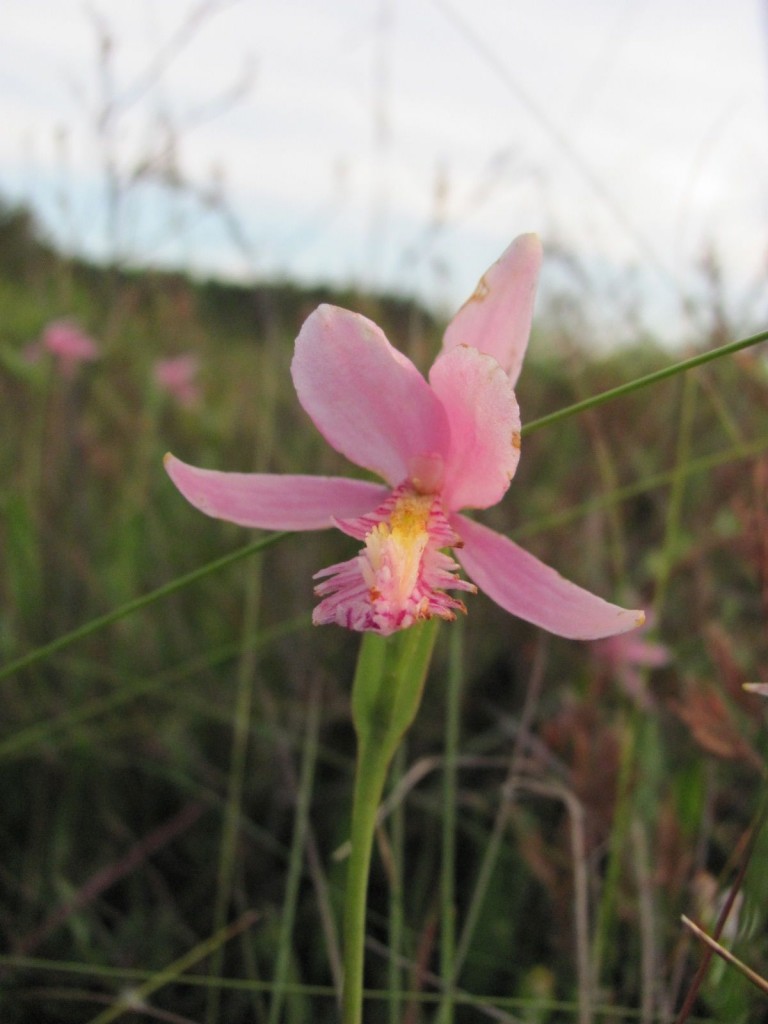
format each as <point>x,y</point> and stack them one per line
<point>116,750</point>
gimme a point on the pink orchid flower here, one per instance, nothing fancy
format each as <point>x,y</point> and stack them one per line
<point>177,376</point>
<point>67,343</point>
<point>441,445</point>
<point>629,658</point>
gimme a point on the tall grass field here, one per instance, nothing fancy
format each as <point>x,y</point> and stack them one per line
<point>176,751</point>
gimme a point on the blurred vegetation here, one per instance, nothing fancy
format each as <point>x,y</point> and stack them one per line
<point>596,800</point>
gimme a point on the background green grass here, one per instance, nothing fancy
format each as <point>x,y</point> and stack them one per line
<point>191,762</point>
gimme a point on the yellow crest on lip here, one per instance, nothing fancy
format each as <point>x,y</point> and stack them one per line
<point>391,559</point>
<point>411,514</point>
<point>401,573</point>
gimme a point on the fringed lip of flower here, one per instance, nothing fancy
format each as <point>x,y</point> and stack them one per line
<point>400,576</point>
<point>441,444</point>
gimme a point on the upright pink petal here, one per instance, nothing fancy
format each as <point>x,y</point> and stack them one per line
<point>272,502</point>
<point>524,586</point>
<point>497,317</point>
<point>367,399</point>
<point>485,427</point>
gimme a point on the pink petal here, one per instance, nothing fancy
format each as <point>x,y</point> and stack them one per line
<point>272,502</point>
<point>645,653</point>
<point>65,339</point>
<point>485,427</point>
<point>497,317</point>
<point>525,587</point>
<point>367,399</point>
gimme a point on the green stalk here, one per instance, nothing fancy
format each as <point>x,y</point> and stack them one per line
<point>641,737</point>
<point>606,911</point>
<point>296,861</point>
<point>445,1013</point>
<point>386,693</point>
<point>241,724</point>
<point>369,783</point>
<point>40,653</point>
<point>396,903</point>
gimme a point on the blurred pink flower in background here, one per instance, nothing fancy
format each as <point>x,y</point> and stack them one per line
<point>442,444</point>
<point>628,656</point>
<point>177,377</point>
<point>67,343</point>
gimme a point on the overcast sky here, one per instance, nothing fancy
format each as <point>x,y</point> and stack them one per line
<point>398,143</point>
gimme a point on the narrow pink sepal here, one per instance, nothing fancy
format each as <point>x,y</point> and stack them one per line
<point>274,502</point>
<point>524,586</point>
<point>367,399</point>
<point>497,317</point>
<point>485,427</point>
<point>644,653</point>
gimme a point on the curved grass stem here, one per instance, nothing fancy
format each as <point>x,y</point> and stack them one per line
<point>642,382</point>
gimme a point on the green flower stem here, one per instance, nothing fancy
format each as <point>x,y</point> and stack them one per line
<point>386,694</point>
<point>369,784</point>
<point>455,678</point>
<point>230,833</point>
<point>396,902</point>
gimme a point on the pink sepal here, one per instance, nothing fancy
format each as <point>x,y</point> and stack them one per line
<point>274,502</point>
<point>524,586</point>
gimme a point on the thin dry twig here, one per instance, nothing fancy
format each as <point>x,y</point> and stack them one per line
<point>726,954</point>
<point>698,978</point>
